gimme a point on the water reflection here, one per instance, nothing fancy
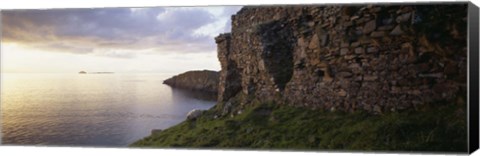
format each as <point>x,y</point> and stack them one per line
<point>200,95</point>
<point>90,110</point>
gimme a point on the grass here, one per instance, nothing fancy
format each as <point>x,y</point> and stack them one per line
<point>273,126</point>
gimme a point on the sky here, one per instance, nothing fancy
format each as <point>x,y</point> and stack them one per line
<point>124,40</point>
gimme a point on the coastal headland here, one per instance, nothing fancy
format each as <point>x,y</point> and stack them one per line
<point>336,77</point>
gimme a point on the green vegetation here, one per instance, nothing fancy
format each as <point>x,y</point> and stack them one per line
<point>274,126</point>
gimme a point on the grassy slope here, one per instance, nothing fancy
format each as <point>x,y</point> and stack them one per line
<point>269,126</point>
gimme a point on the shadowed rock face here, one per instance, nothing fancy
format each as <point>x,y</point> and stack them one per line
<point>206,81</point>
<point>376,58</point>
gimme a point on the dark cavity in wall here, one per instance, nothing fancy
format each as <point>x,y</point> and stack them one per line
<point>234,78</point>
<point>277,39</point>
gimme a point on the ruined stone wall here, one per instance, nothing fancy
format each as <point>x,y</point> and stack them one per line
<point>230,77</point>
<point>376,58</point>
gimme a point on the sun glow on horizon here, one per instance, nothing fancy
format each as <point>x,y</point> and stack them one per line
<point>121,40</point>
<point>17,58</point>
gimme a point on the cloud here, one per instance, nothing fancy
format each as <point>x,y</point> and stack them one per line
<point>116,54</point>
<point>229,12</point>
<point>116,32</point>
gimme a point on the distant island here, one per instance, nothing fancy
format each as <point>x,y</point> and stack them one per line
<point>84,72</point>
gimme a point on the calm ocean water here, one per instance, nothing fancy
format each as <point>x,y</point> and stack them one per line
<point>89,110</point>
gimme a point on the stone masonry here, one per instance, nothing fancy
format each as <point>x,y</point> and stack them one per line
<point>372,57</point>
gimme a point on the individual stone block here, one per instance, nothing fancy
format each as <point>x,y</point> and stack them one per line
<point>396,31</point>
<point>344,51</point>
<point>404,17</point>
<point>359,50</point>
<point>377,34</point>
<point>314,43</point>
<point>369,27</point>
<point>372,49</point>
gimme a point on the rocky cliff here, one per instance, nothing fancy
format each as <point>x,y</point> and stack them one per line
<point>206,81</point>
<point>376,58</point>
<point>290,73</point>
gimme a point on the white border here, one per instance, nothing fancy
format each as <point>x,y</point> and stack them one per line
<point>46,4</point>
<point>74,151</point>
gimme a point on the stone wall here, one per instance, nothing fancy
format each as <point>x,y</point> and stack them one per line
<point>230,78</point>
<point>376,58</point>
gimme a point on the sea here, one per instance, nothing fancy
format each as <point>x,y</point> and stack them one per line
<point>92,110</point>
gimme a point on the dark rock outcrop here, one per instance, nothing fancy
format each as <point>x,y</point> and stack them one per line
<point>376,58</point>
<point>205,81</point>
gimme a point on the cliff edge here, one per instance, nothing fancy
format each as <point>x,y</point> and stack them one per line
<point>204,80</point>
<point>342,77</point>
